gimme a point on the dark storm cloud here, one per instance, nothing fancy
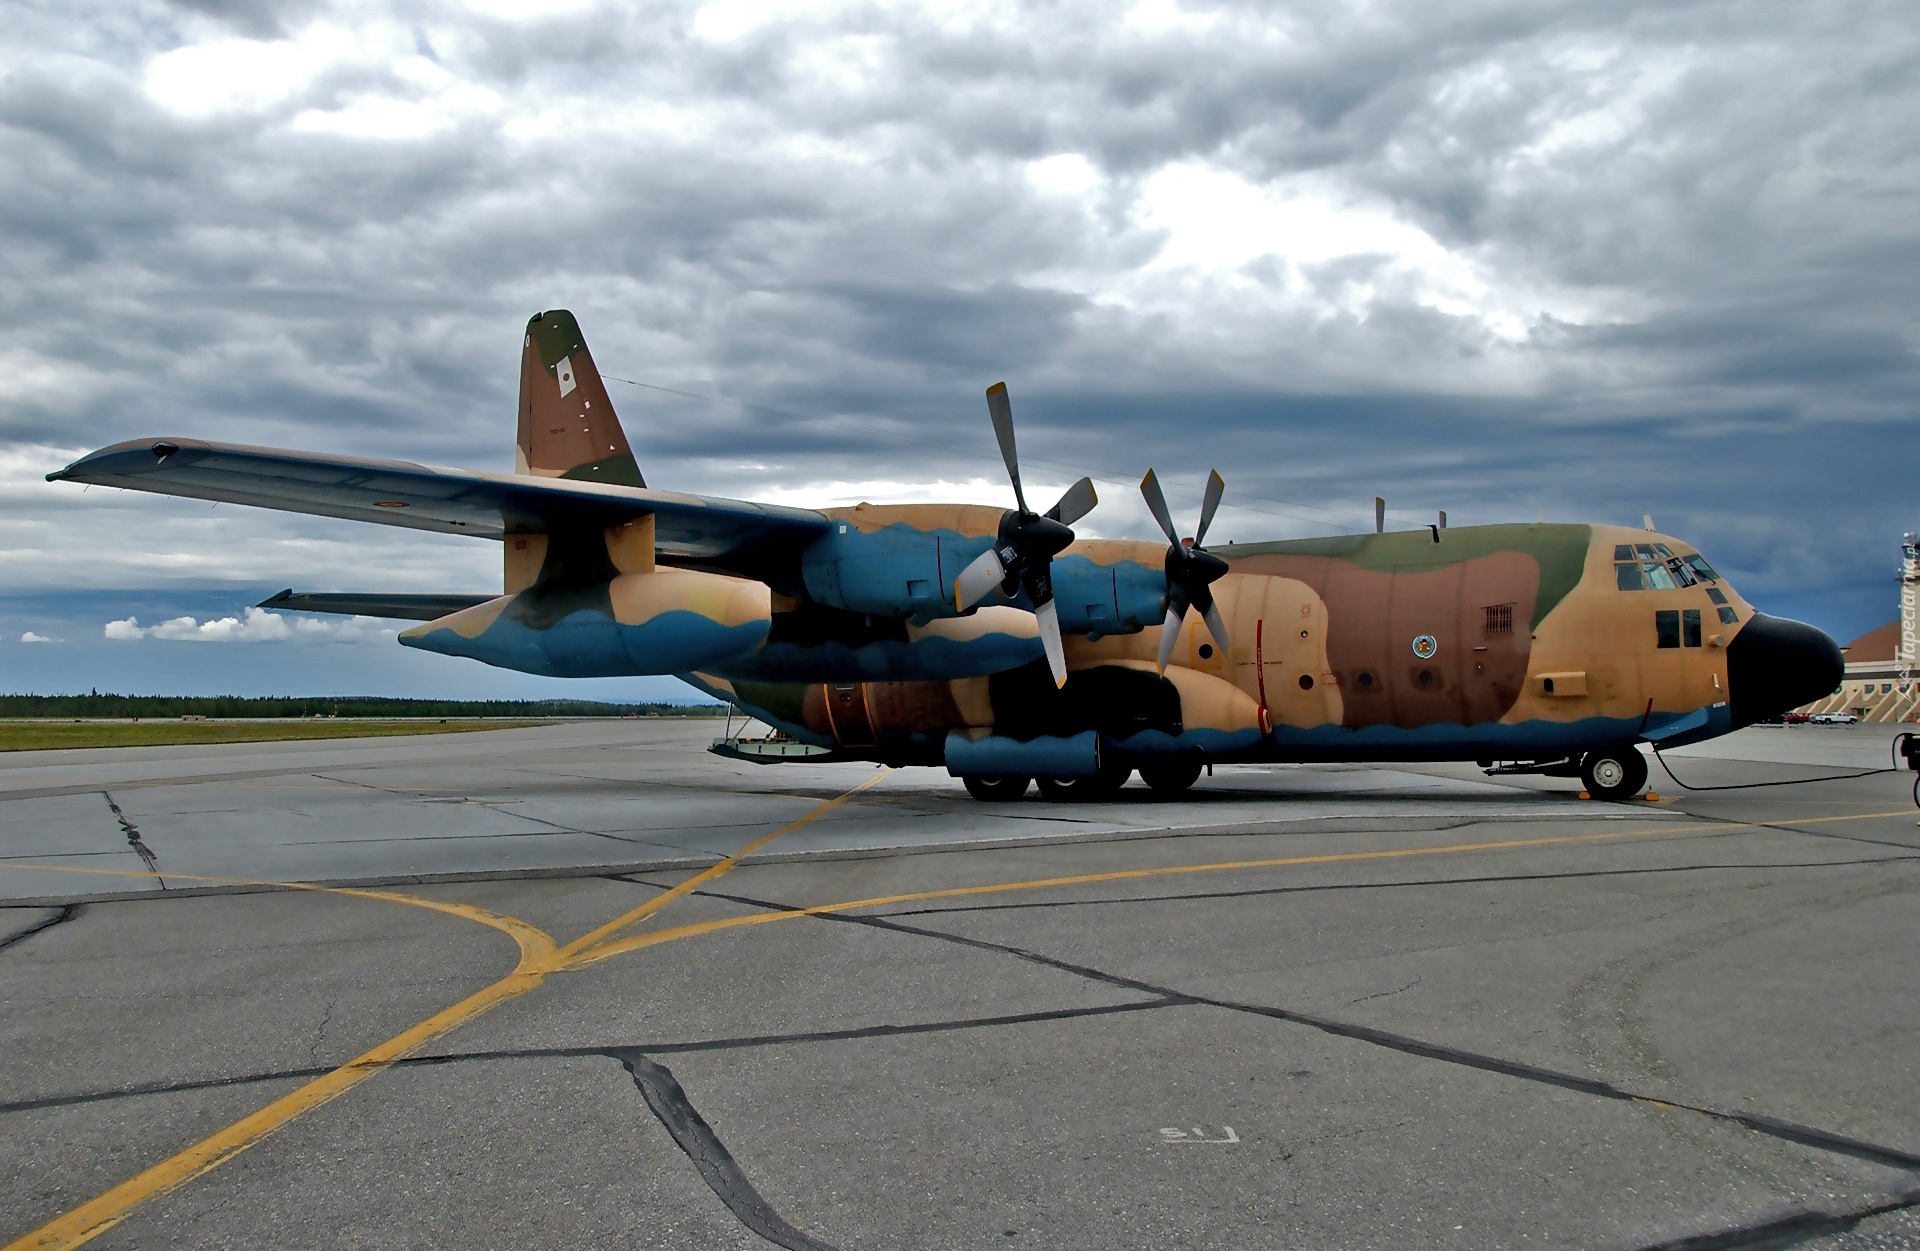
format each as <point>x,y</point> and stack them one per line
<point>1500,258</point>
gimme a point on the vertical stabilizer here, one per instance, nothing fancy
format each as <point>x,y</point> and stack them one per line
<point>567,425</point>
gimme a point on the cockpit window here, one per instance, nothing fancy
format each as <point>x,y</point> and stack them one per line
<point>1655,567</point>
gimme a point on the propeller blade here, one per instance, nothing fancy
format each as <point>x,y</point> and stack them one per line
<point>1170,628</point>
<point>1048,615</point>
<point>1075,504</point>
<point>1216,485</point>
<point>1001,410</point>
<point>1157,505</point>
<point>978,580</point>
<point>1215,626</point>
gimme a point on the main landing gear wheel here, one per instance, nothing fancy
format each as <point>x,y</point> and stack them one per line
<point>1103,785</point>
<point>996,790</point>
<point>1616,773</point>
<point>1172,778</point>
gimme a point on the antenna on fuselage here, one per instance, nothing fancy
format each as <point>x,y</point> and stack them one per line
<point>1379,515</point>
<point>1646,522</point>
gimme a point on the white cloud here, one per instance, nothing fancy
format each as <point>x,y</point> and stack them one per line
<point>31,637</point>
<point>255,625</point>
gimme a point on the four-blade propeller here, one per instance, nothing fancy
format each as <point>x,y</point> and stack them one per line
<point>1022,554</point>
<point>1191,569</point>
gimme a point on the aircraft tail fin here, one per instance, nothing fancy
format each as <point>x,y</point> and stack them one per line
<point>567,425</point>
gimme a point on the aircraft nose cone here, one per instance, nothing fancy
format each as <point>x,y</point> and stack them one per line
<point>1774,664</point>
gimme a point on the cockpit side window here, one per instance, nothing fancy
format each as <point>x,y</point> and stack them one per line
<point>1628,576</point>
<point>1658,579</point>
<point>1701,568</point>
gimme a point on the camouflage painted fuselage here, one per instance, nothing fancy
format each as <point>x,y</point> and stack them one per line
<point>1497,642</point>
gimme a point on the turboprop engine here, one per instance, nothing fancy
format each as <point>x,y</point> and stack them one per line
<point>665,621</point>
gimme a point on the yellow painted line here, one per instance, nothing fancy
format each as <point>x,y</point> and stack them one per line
<point>526,935</point>
<point>1123,875</point>
<point>538,957</point>
<point>629,919</point>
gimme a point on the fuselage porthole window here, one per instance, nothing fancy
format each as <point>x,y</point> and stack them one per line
<point>1714,594</point>
<point>1666,627</point>
<point>1728,616</point>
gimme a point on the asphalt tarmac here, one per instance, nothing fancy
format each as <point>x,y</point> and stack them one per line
<point>520,989</point>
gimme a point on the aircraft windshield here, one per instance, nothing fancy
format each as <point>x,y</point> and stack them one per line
<point>1655,567</point>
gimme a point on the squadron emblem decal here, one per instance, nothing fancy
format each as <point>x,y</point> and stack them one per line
<point>1425,645</point>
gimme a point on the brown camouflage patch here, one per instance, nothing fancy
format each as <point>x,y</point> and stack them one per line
<point>1476,612</point>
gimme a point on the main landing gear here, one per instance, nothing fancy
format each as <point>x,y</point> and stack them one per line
<point>1102,785</point>
<point>996,790</point>
<point>1171,779</point>
<point>1614,773</point>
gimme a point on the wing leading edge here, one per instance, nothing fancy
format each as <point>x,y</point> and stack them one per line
<point>428,497</point>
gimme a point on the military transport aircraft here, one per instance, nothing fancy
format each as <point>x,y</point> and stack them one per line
<point>994,643</point>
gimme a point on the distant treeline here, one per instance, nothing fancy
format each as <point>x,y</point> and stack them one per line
<point>97,704</point>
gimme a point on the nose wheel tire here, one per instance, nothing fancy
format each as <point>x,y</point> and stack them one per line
<point>996,790</point>
<point>1616,773</point>
<point>1170,779</point>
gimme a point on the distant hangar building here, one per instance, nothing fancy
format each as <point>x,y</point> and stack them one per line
<point>1879,683</point>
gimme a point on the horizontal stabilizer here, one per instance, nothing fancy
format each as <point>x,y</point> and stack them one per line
<point>403,607</point>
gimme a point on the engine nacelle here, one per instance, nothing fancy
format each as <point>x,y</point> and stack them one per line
<point>901,560</point>
<point>667,621</point>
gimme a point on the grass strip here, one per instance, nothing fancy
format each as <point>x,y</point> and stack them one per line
<point>52,735</point>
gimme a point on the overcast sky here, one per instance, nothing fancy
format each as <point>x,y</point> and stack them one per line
<point>1510,260</point>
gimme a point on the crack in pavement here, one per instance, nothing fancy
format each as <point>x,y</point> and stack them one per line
<point>320,1034</point>
<point>1387,993</point>
<point>1787,1229</point>
<point>133,840</point>
<point>709,1155</point>
<point>60,917</point>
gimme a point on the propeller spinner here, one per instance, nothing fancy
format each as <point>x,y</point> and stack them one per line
<point>1191,569</point>
<point>1022,553</point>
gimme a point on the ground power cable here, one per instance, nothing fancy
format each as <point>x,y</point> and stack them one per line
<point>1896,750</point>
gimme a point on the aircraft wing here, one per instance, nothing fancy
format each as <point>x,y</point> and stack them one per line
<point>428,497</point>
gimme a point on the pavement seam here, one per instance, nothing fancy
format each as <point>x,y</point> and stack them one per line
<point>60,916</point>
<point>1790,1228</point>
<point>739,1043</point>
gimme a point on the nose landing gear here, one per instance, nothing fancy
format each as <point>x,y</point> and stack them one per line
<point>1614,773</point>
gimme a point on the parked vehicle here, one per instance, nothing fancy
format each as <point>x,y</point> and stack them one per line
<point>1833,718</point>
